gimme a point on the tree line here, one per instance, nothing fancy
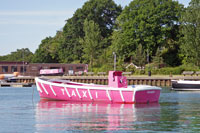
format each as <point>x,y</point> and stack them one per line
<point>158,32</point>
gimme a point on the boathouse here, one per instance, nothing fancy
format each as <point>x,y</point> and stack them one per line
<point>33,69</point>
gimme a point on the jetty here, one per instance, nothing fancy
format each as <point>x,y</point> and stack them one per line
<point>16,84</point>
<point>155,80</point>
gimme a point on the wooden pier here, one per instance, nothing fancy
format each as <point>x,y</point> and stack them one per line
<point>20,82</point>
<point>131,80</point>
<point>164,81</point>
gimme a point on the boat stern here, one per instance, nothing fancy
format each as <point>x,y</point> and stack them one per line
<point>146,94</point>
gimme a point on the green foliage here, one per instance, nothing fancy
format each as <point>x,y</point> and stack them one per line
<point>168,71</point>
<point>105,60</point>
<point>71,49</point>
<point>131,69</point>
<point>173,70</point>
<point>191,33</point>
<point>42,54</point>
<point>100,27</point>
<point>91,41</point>
<point>3,58</point>
<point>149,23</point>
<point>103,13</point>
<point>157,59</point>
<point>48,50</point>
<point>55,45</point>
<point>140,72</point>
<point>171,50</point>
<point>120,65</point>
<point>23,54</point>
<point>104,68</point>
<point>139,57</point>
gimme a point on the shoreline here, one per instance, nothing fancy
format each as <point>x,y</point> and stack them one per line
<point>154,80</point>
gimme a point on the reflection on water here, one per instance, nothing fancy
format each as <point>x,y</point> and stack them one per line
<point>65,116</point>
<point>180,111</point>
<point>176,112</point>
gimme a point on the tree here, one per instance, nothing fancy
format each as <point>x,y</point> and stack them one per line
<point>157,59</point>
<point>55,46</point>
<point>147,22</point>
<point>139,57</point>
<point>42,54</point>
<point>105,60</point>
<point>91,41</point>
<point>48,51</point>
<point>191,33</point>
<point>102,12</point>
<point>23,54</point>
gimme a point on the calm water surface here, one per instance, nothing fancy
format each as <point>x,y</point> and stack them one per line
<point>21,110</point>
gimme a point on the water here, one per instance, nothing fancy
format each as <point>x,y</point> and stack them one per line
<point>22,111</point>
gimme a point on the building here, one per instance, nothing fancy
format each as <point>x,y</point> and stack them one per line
<point>133,65</point>
<point>33,69</point>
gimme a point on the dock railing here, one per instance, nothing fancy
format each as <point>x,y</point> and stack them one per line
<point>188,73</point>
<point>127,73</point>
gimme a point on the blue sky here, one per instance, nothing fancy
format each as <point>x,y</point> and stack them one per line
<point>24,23</point>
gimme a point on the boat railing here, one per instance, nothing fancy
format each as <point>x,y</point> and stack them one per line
<point>85,86</point>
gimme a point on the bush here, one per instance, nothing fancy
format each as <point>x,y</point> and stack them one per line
<point>172,70</point>
<point>154,71</point>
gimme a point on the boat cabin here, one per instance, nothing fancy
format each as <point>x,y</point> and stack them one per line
<point>115,79</point>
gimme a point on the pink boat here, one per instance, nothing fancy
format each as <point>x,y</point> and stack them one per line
<point>117,90</point>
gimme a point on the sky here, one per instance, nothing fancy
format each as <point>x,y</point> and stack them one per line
<point>25,23</point>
